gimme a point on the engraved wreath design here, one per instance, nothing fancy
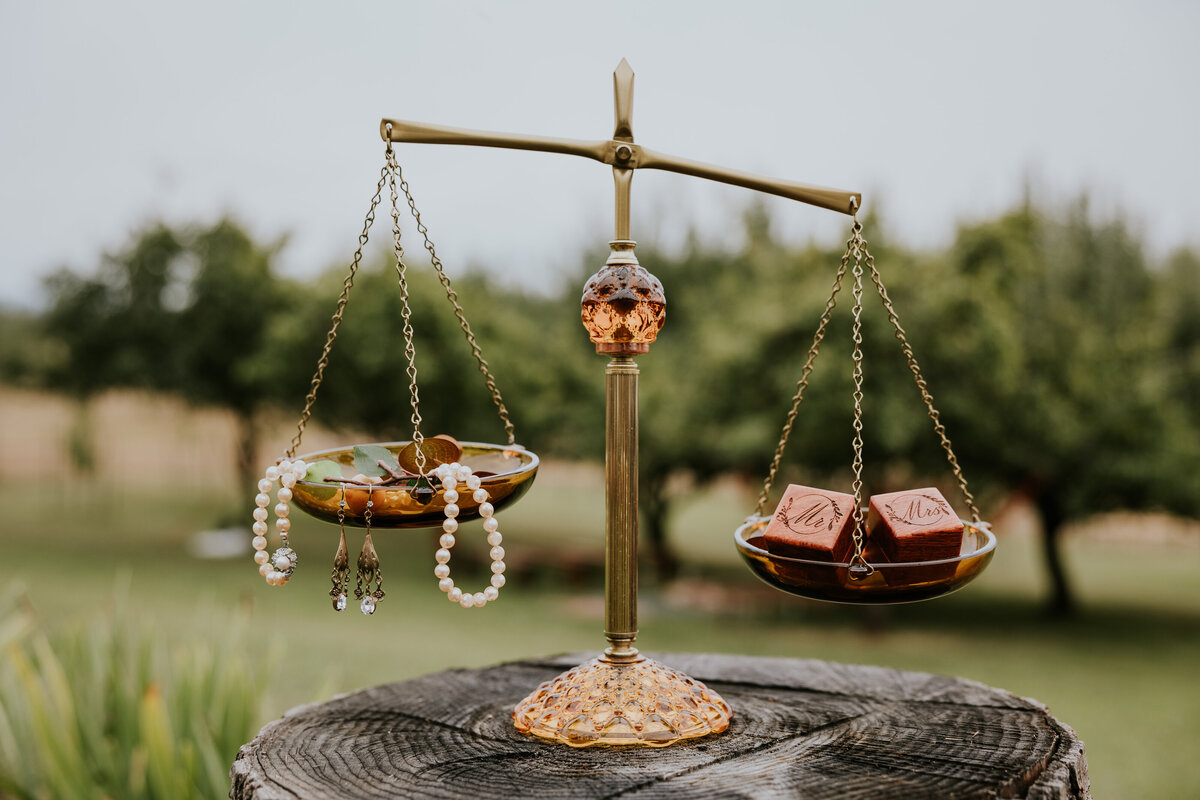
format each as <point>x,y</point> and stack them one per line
<point>785,517</point>
<point>938,503</point>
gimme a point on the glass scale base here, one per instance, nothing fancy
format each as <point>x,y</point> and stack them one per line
<point>628,701</point>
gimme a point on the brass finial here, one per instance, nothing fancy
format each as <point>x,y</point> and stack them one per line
<point>623,93</point>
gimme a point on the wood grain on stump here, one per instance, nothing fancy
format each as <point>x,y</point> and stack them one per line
<point>801,728</point>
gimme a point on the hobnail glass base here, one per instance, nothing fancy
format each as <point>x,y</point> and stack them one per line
<point>637,702</point>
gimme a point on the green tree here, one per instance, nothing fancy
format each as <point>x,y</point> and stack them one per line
<point>24,352</point>
<point>231,296</point>
<point>1061,372</point>
<point>1178,306</point>
<point>366,385</point>
<point>112,329</point>
<point>1042,338</point>
<point>182,311</point>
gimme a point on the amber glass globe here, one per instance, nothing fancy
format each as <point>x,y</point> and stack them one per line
<point>623,305</point>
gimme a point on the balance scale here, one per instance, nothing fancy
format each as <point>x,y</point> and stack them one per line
<point>621,697</point>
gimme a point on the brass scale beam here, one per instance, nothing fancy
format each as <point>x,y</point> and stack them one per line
<point>621,468</point>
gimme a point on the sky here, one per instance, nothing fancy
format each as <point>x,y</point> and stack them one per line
<point>119,113</point>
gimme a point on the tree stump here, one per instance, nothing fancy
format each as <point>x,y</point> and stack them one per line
<point>801,728</point>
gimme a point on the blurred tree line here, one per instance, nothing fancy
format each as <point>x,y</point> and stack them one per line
<point>1065,365</point>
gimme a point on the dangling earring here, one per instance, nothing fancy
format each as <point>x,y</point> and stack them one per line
<point>341,562</point>
<point>368,569</point>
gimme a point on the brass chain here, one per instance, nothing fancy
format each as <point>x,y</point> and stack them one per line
<point>388,175</point>
<point>452,296</point>
<point>913,367</point>
<point>336,320</point>
<point>858,245</point>
<point>856,248</point>
<point>410,353</point>
<point>802,384</point>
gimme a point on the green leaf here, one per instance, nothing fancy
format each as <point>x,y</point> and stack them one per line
<point>320,470</point>
<point>366,457</point>
<point>317,472</point>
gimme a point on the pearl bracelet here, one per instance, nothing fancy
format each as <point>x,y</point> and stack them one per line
<point>277,567</point>
<point>451,476</point>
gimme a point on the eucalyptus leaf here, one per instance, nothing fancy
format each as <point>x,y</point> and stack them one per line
<point>320,470</point>
<point>367,456</point>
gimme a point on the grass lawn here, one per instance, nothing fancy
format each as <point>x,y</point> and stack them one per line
<point>1123,674</point>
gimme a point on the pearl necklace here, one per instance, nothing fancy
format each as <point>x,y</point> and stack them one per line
<point>451,476</point>
<point>277,567</point>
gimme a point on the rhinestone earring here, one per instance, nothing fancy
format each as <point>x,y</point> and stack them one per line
<point>340,577</point>
<point>369,571</point>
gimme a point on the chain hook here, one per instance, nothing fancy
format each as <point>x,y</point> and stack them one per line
<point>860,568</point>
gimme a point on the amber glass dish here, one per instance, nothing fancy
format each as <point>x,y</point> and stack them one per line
<point>393,506</point>
<point>890,583</point>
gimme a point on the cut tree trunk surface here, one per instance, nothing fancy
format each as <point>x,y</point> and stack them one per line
<point>801,728</point>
